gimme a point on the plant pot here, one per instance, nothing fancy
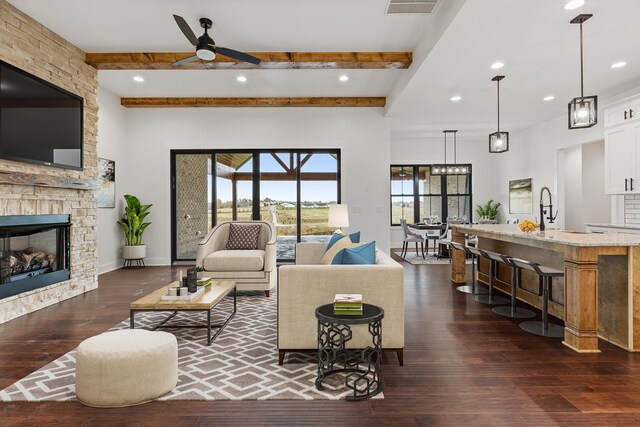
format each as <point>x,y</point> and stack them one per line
<point>134,252</point>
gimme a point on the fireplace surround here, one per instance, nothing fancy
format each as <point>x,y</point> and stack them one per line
<point>34,252</point>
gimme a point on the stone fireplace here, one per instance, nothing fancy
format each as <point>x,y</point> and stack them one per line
<point>27,189</point>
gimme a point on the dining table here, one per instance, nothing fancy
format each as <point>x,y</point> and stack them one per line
<point>441,227</point>
<point>422,226</point>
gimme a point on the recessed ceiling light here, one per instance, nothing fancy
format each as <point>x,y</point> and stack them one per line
<point>343,78</point>
<point>497,65</point>
<point>619,64</point>
<point>549,98</point>
<point>241,79</point>
<point>573,4</point>
<point>455,98</point>
<point>138,79</point>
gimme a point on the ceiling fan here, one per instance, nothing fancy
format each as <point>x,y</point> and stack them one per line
<point>206,49</point>
<point>403,173</point>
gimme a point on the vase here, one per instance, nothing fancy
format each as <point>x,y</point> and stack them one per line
<point>134,252</point>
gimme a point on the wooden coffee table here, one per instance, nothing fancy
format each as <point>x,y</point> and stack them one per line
<point>205,302</point>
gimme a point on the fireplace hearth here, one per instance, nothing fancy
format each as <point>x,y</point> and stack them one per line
<point>34,252</point>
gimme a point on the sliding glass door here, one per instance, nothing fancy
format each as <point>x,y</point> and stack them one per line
<point>192,185</point>
<point>318,189</point>
<point>291,188</point>
<point>234,187</point>
<point>279,198</point>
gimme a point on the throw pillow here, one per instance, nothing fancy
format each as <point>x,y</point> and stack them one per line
<point>355,238</point>
<point>343,243</point>
<point>243,236</point>
<point>361,254</point>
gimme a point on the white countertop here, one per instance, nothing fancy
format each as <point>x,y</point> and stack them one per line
<point>564,237</point>
<point>621,226</point>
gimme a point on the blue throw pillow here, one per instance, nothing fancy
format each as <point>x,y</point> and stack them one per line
<point>353,258</point>
<point>355,238</point>
<point>364,254</point>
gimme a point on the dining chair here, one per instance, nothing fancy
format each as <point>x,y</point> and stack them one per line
<point>445,238</point>
<point>433,234</point>
<point>410,237</point>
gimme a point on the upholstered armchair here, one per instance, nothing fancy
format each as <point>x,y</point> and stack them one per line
<point>252,270</point>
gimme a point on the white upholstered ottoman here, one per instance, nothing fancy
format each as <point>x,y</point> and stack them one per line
<point>127,367</point>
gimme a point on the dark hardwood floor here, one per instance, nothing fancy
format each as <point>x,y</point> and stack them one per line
<point>464,365</point>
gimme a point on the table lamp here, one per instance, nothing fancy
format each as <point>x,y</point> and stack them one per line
<point>338,217</point>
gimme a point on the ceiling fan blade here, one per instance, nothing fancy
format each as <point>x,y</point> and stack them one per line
<point>237,55</point>
<point>186,60</point>
<point>186,30</point>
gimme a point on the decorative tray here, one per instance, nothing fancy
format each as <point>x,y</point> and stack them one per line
<point>189,297</point>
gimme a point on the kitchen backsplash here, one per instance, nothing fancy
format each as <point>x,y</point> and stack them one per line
<point>632,209</point>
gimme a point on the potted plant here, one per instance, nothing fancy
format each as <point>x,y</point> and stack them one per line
<point>488,211</point>
<point>133,226</point>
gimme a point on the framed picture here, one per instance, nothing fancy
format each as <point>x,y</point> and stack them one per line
<point>520,196</point>
<point>106,195</point>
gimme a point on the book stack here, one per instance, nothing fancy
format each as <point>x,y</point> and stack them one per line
<point>347,305</point>
<point>205,282</point>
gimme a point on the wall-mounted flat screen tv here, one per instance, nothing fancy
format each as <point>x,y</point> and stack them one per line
<point>39,122</point>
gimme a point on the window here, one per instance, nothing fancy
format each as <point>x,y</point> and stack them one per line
<point>417,194</point>
<point>291,188</point>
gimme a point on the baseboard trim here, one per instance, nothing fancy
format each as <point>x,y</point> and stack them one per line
<point>110,266</point>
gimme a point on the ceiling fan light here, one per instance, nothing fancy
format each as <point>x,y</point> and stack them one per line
<point>206,54</point>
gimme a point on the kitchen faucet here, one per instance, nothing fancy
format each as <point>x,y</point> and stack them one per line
<point>543,211</point>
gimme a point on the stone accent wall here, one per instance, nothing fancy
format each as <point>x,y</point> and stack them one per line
<point>32,47</point>
<point>632,209</point>
<point>192,198</point>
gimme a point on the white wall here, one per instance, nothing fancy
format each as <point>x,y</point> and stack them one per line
<point>361,133</point>
<point>430,150</point>
<point>573,190</point>
<point>581,197</point>
<point>111,145</point>
<point>596,204</point>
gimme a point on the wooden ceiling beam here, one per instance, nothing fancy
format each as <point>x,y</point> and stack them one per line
<point>270,61</point>
<point>253,102</point>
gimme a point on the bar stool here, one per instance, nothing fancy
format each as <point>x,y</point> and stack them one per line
<point>473,289</point>
<point>542,328</point>
<point>511,311</point>
<point>489,298</point>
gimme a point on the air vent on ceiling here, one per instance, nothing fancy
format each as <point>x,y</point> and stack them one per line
<point>411,6</point>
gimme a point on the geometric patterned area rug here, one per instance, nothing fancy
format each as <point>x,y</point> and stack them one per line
<point>429,258</point>
<point>241,364</point>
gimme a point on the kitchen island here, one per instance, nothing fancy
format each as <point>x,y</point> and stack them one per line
<point>600,293</point>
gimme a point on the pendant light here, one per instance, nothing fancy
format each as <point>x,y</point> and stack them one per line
<point>402,173</point>
<point>498,141</point>
<point>583,111</point>
<point>453,168</point>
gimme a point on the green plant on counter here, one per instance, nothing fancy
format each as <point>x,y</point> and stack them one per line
<point>489,210</point>
<point>132,221</point>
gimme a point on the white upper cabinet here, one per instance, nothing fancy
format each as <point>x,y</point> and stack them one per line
<point>634,109</point>
<point>623,113</point>
<point>622,148</point>
<point>619,156</point>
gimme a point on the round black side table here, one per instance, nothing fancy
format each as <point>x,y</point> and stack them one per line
<point>364,364</point>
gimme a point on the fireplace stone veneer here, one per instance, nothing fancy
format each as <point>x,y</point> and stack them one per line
<point>80,205</point>
<point>32,47</point>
